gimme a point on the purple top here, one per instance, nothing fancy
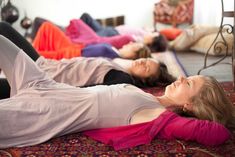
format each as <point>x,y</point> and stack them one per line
<point>99,50</point>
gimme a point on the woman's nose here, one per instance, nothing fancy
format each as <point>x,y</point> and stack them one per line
<point>141,61</point>
<point>181,78</point>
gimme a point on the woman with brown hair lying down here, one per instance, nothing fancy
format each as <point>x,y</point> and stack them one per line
<point>83,71</point>
<point>40,108</point>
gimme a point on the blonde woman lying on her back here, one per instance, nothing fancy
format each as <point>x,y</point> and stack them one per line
<point>40,108</point>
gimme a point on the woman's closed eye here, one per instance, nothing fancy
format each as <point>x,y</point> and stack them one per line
<point>148,69</point>
<point>188,83</point>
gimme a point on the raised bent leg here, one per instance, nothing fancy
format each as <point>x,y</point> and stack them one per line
<point>10,33</point>
<point>51,42</point>
<point>97,27</point>
<point>38,21</point>
<point>49,37</point>
<point>92,23</point>
<point>20,70</point>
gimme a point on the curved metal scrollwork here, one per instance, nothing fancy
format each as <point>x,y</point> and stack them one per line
<point>222,44</point>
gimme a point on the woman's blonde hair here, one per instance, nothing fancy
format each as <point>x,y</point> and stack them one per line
<point>212,103</point>
<point>143,52</point>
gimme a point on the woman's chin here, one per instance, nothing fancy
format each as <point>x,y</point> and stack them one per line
<point>168,88</point>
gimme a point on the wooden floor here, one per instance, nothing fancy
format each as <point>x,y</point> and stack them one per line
<point>193,61</point>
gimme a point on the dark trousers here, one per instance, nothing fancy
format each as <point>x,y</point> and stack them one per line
<point>97,27</point>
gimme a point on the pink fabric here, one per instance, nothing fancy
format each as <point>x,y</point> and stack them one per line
<point>167,126</point>
<point>79,32</point>
<point>124,29</point>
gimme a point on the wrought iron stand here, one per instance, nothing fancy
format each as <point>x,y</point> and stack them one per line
<point>217,44</point>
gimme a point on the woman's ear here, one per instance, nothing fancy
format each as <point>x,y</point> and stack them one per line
<point>188,107</point>
<point>143,80</point>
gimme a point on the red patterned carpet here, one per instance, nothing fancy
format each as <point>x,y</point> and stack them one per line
<point>79,145</point>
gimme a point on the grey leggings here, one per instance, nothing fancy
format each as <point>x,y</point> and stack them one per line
<point>6,62</point>
<point>10,33</point>
<point>20,70</point>
<point>8,53</point>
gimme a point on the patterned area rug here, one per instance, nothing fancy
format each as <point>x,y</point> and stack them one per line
<point>79,145</point>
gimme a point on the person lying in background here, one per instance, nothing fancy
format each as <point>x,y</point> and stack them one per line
<point>52,43</point>
<point>82,71</point>
<point>154,40</point>
<point>45,109</point>
<point>80,33</point>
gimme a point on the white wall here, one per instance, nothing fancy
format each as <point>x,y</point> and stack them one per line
<point>208,12</point>
<point>137,13</point>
